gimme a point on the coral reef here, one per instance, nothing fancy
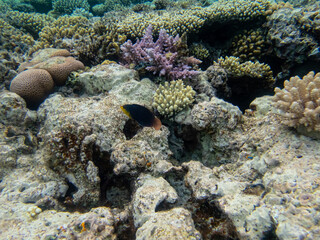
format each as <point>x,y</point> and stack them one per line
<point>192,20</point>
<point>60,68</point>
<point>90,42</point>
<point>289,41</point>
<point>300,101</point>
<point>249,69</point>
<point>172,97</point>
<point>29,22</point>
<point>249,45</point>
<point>165,57</point>
<point>76,167</point>
<point>13,39</point>
<point>199,51</point>
<point>67,7</point>
<point>102,78</point>
<point>45,70</point>
<point>213,82</point>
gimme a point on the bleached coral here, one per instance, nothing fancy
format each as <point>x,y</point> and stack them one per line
<point>300,101</point>
<point>172,97</point>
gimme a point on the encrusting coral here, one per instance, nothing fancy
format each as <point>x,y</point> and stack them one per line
<point>300,101</point>
<point>170,99</point>
<point>167,56</point>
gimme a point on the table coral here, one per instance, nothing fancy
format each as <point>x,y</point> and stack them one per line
<point>300,101</point>
<point>192,20</point>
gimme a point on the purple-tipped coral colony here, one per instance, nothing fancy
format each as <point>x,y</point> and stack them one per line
<point>164,57</point>
<point>162,119</point>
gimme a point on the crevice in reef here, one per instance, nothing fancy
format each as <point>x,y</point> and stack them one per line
<point>184,142</point>
<point>210,220</point>
<point>131,128</point>
<point>115,191</point>
<point>125,230</point>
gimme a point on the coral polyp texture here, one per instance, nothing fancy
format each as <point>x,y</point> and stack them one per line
<point>250,69</point>
<point>68,6</point>
<point>192,20</point>
<point>163,57</point>
<point>300,101</point>
<point>34,85</point>
<point>172,97</point>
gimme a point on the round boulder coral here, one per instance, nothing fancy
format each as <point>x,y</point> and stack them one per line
<point>33,85</point>
<point>60,68</point>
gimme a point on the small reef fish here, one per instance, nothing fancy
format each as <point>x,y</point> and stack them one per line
<point>142,115</point>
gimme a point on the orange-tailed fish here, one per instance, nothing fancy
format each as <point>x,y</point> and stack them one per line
<point>142,115</point>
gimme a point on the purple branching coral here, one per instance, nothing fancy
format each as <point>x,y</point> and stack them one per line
<point>167,56</point>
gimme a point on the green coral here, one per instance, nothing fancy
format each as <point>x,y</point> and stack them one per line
<point>68,6</point>
<point>172,97</point>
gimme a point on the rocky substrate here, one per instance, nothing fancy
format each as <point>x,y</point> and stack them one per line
<point>78,168</point>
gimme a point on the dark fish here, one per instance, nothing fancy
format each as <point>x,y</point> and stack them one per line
<point>142,115</point>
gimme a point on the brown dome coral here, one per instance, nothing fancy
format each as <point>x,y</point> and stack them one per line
<point>49,67</point>
<point>60,68</point>
<point>33,85</point>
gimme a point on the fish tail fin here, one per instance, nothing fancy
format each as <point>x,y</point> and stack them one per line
<point>157,123</point>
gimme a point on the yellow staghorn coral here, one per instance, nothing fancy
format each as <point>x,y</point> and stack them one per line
<point>192,20</point>
<point>250,45</point>
<point>250,69</point>
<point>172,97</point>
<point>63,27</point>
<point>31,22</point>
<point>13,37</point>
<point>300,101</point>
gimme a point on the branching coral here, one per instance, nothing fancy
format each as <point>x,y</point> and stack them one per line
<point>192,20</point>
<point>250,45</point>
<point>249,69</point>
<point>68,6</point>
<point>170,99</point>
<point>166,57</point>
<point>300,101</point>
<point>90,42</point>
<point>30,22</point>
